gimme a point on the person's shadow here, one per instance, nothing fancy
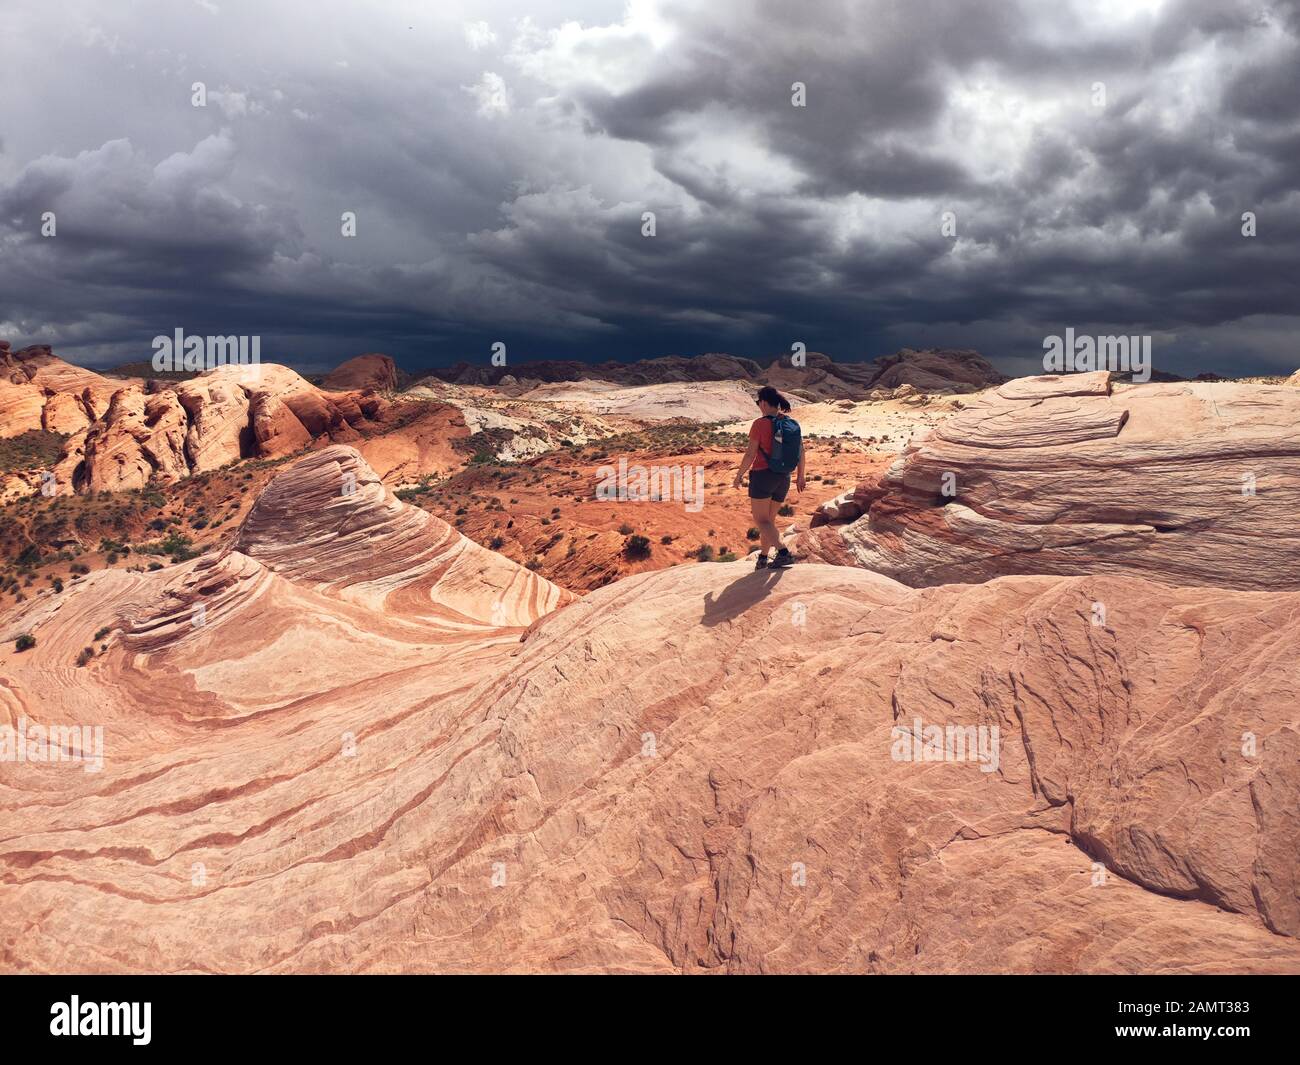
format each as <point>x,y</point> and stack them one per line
<point>739,595</point>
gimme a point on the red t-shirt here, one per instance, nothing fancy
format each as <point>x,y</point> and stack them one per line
<point>761,431</point>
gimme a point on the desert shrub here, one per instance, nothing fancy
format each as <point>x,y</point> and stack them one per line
<point>704,553</point>
<point>751,534</point>
<point>103,632</point>
<point>87,653</point>
<point>785,510</point>
<point>636,547</point>
<point>25,642</point>
<point>726,556</point>
<point>625,529</point>
<point>497,543</point>
<point>665,539</point>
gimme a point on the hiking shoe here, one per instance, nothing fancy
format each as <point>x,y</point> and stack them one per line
<point>783,559</point>
<point>761,563</point>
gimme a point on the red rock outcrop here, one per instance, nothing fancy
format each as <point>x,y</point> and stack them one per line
<point>140,438</point>
<point>38,390</point>
<point>227,414</point>
<point>1191,483</point>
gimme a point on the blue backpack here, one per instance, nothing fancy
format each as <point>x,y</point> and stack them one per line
<point>787,444</point>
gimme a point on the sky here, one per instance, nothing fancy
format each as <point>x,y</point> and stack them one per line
<point>957,174</point>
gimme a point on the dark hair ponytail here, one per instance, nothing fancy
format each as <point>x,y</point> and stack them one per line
<point>773,398</point>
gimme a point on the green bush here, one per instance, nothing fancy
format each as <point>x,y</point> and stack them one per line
<point>636,547</point>
<point>25,642</point>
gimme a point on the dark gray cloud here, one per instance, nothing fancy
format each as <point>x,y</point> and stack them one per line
<point>499,157</point>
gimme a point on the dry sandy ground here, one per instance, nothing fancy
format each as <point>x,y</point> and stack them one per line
<point>545,513</point>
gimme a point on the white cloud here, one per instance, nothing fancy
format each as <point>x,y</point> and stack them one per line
<point>490,94</point>
<point>479,35</point>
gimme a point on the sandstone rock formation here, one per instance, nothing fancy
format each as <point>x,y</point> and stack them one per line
<point>329,750</point>
<point>369,371</point>
<point>329,523</point>
<point>38,390</point>
<point>1190,483</point>
<point>227,414</point>
<point>140,437</point>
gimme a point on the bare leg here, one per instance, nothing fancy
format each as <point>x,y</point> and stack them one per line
<point>764,511</point>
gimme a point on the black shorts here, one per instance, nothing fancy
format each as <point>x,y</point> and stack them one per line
<point>765,484</point>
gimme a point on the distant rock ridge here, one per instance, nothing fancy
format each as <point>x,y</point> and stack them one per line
<point>371,370</point>
<point>933,370</point>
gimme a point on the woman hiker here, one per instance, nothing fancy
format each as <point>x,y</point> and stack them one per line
<point>775,450</point>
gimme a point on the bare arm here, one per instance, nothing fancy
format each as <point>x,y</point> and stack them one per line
<point>751,453</point>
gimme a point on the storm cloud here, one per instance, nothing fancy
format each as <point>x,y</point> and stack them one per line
<point>1095,160</point>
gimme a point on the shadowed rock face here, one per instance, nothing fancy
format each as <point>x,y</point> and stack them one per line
<point>1192,483</point>
<point>327,750</point>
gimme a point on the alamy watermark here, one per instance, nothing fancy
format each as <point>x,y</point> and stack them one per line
<point>76,1018</point>
<point>947,743</point>
<point>179,353</point>
<point>32,742</point>
<point>652,484</point>
<point>1083,354</point>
